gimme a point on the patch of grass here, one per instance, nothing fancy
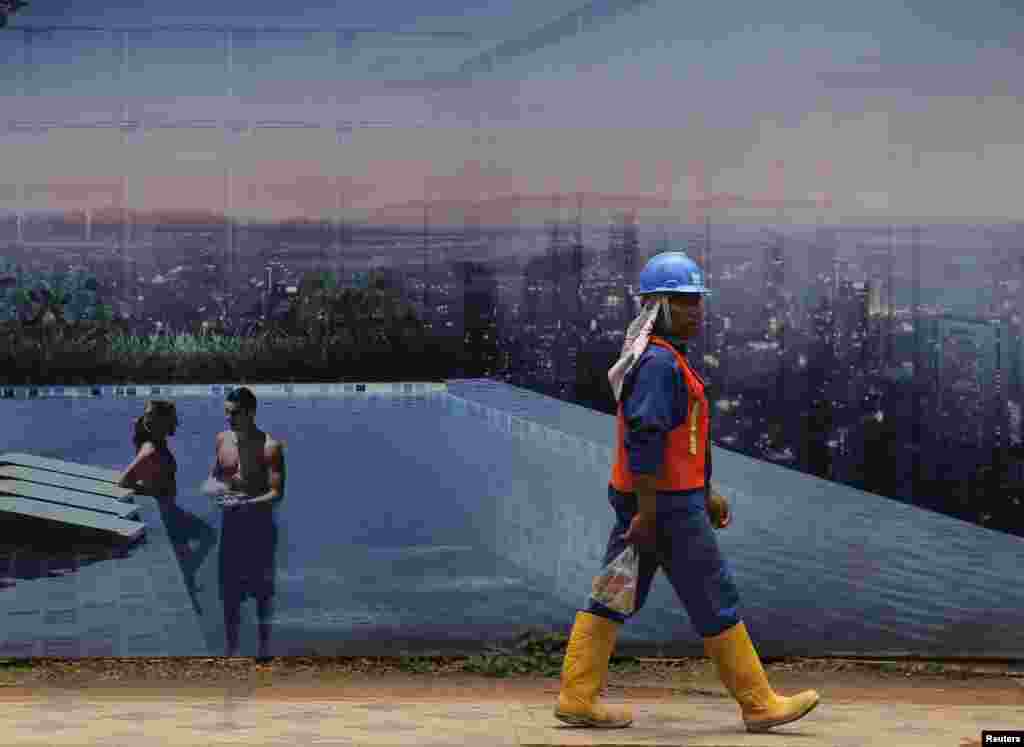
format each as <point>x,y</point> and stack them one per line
<point>625,665</point>
<point>16,665</point>
<point>534,653</point>
<point>494,665</point>
<point>416,664</point>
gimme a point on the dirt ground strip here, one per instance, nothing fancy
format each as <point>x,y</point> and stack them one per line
<point>925,683</point>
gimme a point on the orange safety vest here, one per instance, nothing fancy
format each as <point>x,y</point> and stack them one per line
<point>686,446</point>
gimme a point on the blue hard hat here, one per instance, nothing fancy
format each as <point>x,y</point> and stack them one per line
<point>672,272</point>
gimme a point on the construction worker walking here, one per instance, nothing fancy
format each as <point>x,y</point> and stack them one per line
<point>664,505</point>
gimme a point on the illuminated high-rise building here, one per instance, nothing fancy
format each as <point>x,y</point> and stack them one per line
<point>773,288</point>
<point>970,376</point>
<point>479,323</point>
<point>878,304</point>
<point>820,269</point>
<point>624,253</point>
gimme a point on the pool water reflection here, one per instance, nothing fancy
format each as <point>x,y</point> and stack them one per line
<point>370,543</point>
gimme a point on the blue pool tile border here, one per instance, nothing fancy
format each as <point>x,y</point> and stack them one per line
<point>595,454</point>
<point>327,389</point>
<point>565,444</point>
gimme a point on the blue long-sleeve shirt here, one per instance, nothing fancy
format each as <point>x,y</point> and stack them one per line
<point>655,401</point>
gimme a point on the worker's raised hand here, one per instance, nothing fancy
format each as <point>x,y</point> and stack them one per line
<point>642,532</point>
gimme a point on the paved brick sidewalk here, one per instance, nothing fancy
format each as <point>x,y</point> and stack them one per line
<point>78,719</point>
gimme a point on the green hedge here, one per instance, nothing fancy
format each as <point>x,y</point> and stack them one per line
<point>116,359</point>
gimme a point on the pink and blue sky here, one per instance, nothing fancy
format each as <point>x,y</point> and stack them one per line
<point>877,111</point>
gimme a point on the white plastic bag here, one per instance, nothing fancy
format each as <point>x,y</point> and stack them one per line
<point>615,587</point>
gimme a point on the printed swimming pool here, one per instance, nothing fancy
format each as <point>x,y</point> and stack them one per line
<point>376,537</point>
<point>436,521</point>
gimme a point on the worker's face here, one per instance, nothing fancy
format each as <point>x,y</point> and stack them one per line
<point>687,314</point>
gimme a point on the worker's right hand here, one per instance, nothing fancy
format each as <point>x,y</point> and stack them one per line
<point>642,532</point>
<point>718,510</point>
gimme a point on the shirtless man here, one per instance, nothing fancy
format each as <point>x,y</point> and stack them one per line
<point>250,464</point>
<point>249,461</point>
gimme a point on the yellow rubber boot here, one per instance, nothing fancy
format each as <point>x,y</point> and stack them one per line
<point>741,672</point>
<point>584,670</point>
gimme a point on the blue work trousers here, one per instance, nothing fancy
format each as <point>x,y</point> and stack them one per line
<point>687,551</point>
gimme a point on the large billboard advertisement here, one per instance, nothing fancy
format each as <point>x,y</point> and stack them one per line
<point>422,257</point>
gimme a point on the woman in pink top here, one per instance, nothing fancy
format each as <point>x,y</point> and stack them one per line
<point>154,469</point>
<point>154,472</point>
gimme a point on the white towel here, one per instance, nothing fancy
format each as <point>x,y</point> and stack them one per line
<point>637,338</point>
